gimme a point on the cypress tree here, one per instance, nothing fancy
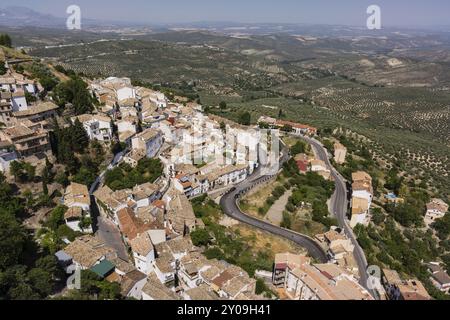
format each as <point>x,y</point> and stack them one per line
<point>80,139</point>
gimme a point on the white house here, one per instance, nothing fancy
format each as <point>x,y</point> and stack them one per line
<point>132,284</point>
<point>436,209</point>
<point>150,141</point>
<point>155,290</point>
<point>109,202</point>
<point>159,99</point>
<point>97,127</point>
<point>164,265</point>
<point>77,199</point>
<point>167,129</point>
<point>77,195</point>
<point>19,103</point>
<point>143,252</point>
<point>125,92</point>
<point>145,194</point>
<point>7,155</point>
<point>8,84</point>
<point>231,174</point>
<point>362,195</point>
<point>127,128</point>
<point>317,165</point>
<point>30,87</point>
<point>320,168</point>
<point>121,86</point>
<point>87,251</point>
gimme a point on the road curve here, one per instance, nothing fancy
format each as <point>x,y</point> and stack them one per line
<point>229,204</point>
<point>339,205</point>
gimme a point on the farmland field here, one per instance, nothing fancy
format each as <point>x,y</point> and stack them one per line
<point>404,115</point>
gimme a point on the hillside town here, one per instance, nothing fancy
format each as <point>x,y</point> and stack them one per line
<point>166,154</point>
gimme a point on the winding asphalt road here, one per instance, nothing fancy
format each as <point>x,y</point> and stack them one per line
<point>339,205</point>
<point>229,204</point>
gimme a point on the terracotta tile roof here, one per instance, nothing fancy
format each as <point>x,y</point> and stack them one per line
<point>362,185</point>
<point>438,205</point>
<point>359,205</point>
<point>156,290</point>
<point>180,212</point>
<point>76,193</point>
<point>142,244</point>
<point>290,259</point>
<point>361,176</point>
<point>413,290</point>
<point>130,225</point>
<point>88,250</point>
<point>104,194</point>
<point>92,117</point>
<point>73,212</point>
<point>222,278</point>
<point>202,292</point>
<point>148,134</point>
<point>40,108</point>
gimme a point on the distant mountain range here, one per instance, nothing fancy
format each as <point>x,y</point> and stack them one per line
<point>21,16</point>
<point>16,16</point>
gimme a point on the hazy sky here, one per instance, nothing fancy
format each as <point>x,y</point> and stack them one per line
<point>348,12</point>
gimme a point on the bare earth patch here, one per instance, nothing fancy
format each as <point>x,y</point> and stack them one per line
<point>263,240</point>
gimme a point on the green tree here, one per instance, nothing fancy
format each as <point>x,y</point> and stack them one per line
<point>29,97</point>
<point>12,240</point>
<point>222,105</point>
<point>5,40</point>
<point>74,91</point>
<point>298,147</point>
<point>23,291</point>
<point>80,139</point>
<point>245,118</point>
<point>15,169</point>
<point>2,68</point>
<point>22,171</point>
<point>200,237</point>
<point>280,113</point>
<point>56,217</point>
<point>377,216</point>
<point>41,281</point>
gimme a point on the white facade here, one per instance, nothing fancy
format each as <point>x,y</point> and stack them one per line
<point>125,93</point>
<point>126,126</point>
<point>192,281</point>
<point>136,290</point>
<point>98,128</point>
<point>30,88</point>
<point>163,277</point>
<point>6,158</point>
<point>167,130</point>
<point>297,288</point>
<point>150,146</point>
<point>234,177</point>
<point>19,103</point>
<point>359,219</point>
<point>364,194</point>
<point>145,202</point>
<point>159,99</point>
<point>144,263</point>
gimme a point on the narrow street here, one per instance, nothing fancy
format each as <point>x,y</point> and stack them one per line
<point>104,228</point>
